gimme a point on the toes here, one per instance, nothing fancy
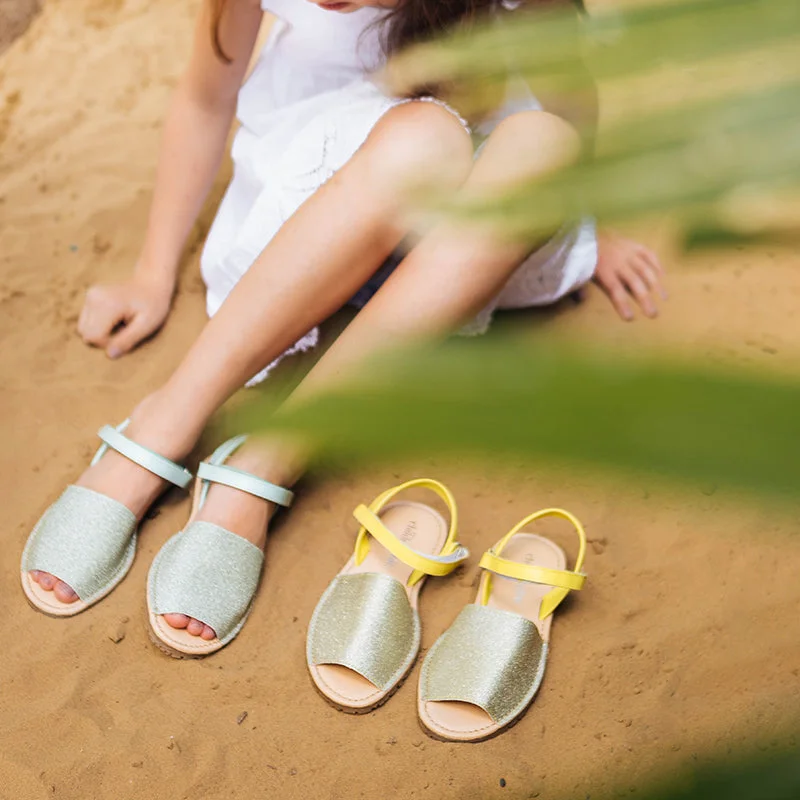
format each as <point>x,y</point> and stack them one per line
<point>64,593</point>
<point>192,626</point>
<point>178,621</point>
<point>50,583</point>
<point>47,581</point>
<point>208,633</point>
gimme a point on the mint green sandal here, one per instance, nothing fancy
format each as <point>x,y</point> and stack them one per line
<point>86,539</point>
<point>205,571</point>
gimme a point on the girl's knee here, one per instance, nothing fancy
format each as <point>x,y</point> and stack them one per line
<point>536,140</point>
<point>422,141</point>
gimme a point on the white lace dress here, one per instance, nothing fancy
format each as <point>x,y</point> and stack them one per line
<point>304,111</point>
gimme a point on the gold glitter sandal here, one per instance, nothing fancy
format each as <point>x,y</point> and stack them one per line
<point>364,635</point>
<point>484,671</point>
<point>86,539</point>
<point>205,571</point>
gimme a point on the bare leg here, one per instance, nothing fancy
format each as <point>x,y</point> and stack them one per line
<point>456,270</point>
<point>315,263</point>
<point>452,274</point>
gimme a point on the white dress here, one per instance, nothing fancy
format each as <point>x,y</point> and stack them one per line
<point>304,111</point>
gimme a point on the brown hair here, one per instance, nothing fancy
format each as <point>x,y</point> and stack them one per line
<point>411,22</point>
<point>415,21</point>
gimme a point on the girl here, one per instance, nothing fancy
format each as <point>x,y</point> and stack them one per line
<point>312,219</point>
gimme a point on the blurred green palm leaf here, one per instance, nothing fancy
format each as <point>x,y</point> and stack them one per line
<point>612,44</point>
<point>688,161</point>
<point>503,398</point>
<point>745,776</point>
<point>710,160</point>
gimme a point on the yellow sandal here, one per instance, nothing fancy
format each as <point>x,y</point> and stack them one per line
<point>484,671</point>
<point>364,635</point>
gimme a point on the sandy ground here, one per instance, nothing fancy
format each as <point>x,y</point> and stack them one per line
<point>15,16</point>
<point>684,641</point>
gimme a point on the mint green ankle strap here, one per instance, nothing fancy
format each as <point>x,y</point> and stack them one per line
<point>144,457</point>
<point>214,471</point>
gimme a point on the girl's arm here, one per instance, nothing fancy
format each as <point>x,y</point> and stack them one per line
<point>627,272</point>
<point>118,317</point>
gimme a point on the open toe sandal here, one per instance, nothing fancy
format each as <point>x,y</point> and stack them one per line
<point>484,671</point>
<point>88,540</point>
<point>364,635</point>
<point>205,571</point>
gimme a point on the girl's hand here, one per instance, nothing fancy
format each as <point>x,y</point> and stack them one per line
<point>629,271</point>
<point>119,317</point>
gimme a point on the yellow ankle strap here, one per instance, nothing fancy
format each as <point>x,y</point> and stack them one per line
<point>451,555</point>
<point>564,581</point>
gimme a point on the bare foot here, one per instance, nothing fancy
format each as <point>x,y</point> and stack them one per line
<point>121,479</point>
<point>239,512</point>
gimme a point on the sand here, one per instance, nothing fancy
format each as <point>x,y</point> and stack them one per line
<point>15,16</point>
<point>684,642</point>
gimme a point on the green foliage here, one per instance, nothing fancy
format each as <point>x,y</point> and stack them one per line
<point>611,44</point>
<point>709,160</point>
<point>690,161</point>
<point>501,397</point>
<point>749,776</point>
